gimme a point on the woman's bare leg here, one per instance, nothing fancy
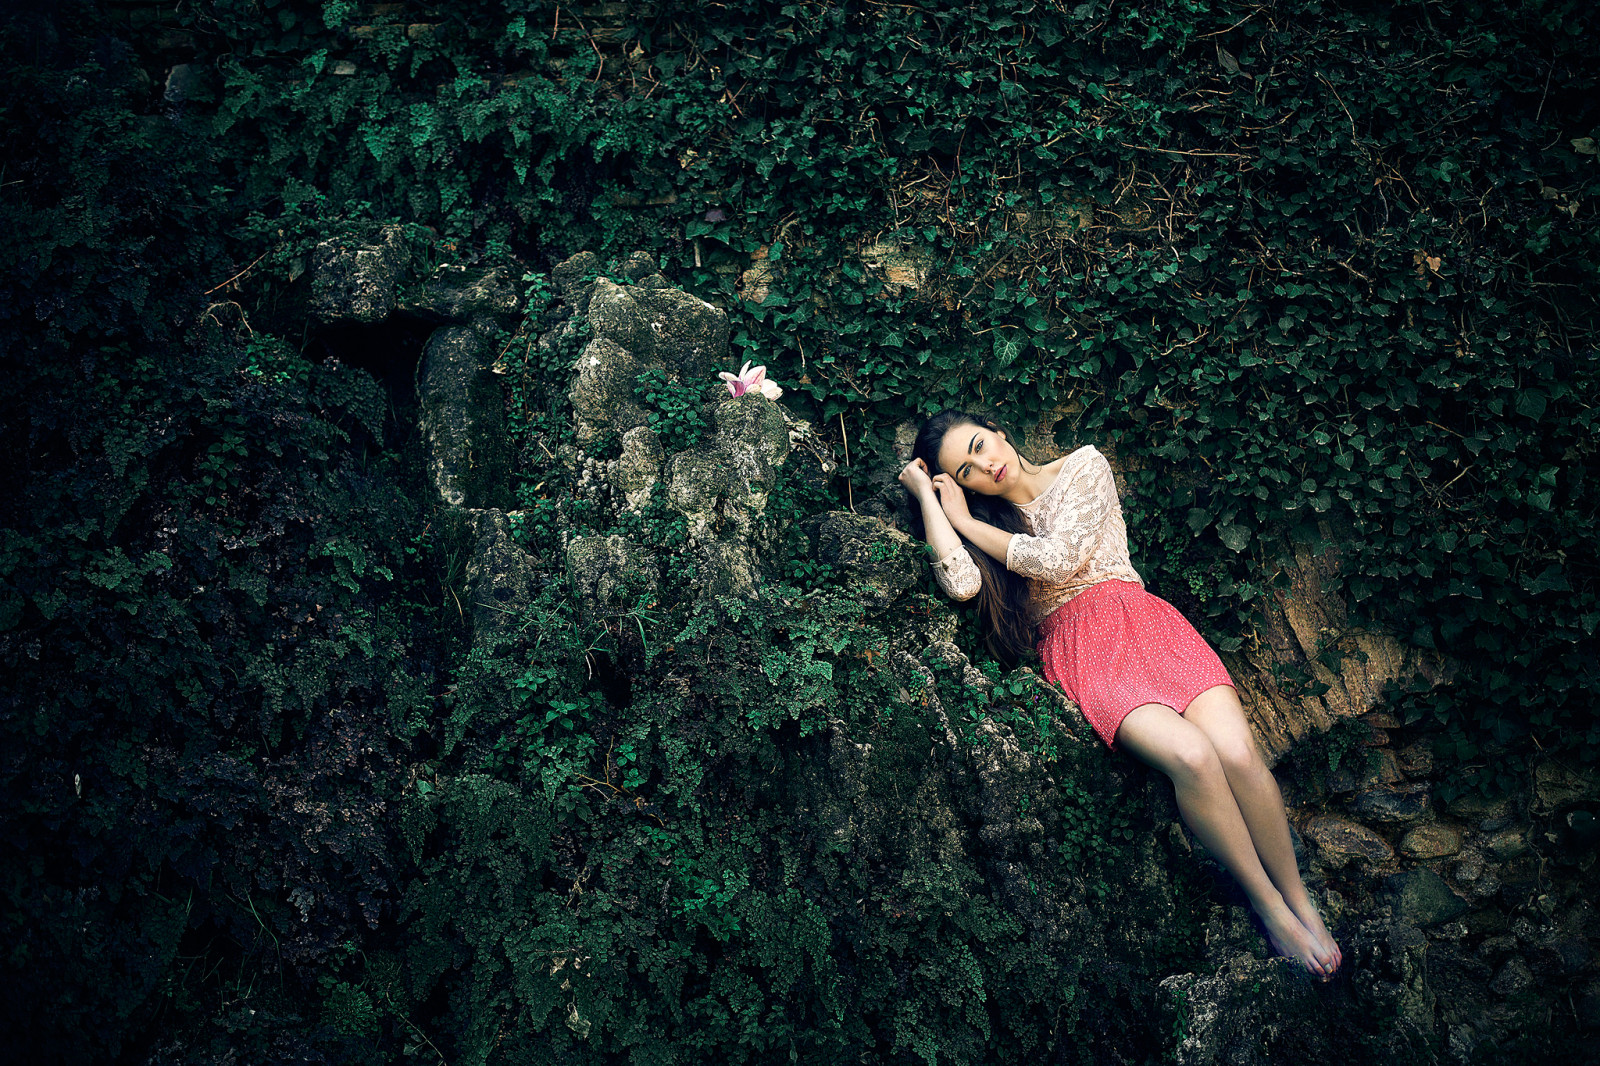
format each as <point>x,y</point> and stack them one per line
<point>1159,736</point>
<point>1216,713</point>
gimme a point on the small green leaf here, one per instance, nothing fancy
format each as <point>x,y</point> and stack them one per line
<point>1531,403</point>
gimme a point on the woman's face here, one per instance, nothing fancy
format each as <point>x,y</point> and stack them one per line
<point>980,459</point>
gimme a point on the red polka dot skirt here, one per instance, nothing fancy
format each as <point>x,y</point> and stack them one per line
<point>1115,647</point>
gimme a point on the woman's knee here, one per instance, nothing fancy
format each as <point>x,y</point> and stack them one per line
<point>1218,714</point>
<point>1238,755</point>
<point>1193,757</point>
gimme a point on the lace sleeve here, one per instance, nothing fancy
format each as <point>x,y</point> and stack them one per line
<point>958,575</point>
<point>1074,531</point>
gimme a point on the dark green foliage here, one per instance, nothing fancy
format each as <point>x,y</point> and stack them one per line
<point>679,879</point>
<point>214,664</point>
<point>675,409</point>
<point>1314,271</point>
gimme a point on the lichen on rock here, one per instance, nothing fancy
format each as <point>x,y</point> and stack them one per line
<point>609,574</point>
<point>463,420</point>
<point>356,281</point>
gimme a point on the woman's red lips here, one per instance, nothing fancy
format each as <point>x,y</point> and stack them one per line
<point>1000,475</point>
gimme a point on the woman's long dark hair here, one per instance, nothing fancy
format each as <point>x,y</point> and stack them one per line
<point>1003,599</point>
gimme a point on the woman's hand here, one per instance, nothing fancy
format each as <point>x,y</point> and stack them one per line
<point>915,478</point>
<point>951,498</point>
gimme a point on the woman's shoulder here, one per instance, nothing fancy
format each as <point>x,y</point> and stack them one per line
<point>1086,461</point>
<point>1056,468</point>
<point>1086,453</point>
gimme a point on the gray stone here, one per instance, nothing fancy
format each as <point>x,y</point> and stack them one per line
<point>1416,759</point>
<point>641,269</point>
<point>574,280</point>
<point>463,421</point>
<point>881,561</point>
<point>1240,1014</point>
<point>1564,957</point>
<point>1507,844</point>
<point>1421,897</point>
<point>356,281</point>
<point>1341,840</point>
<point>1473,806</point>
<point>639,466</point>
<point>1434,841</point>
<point>465,296</point>
<point>697,482</point>
<point>905,440</point>
<point>602,393</point>
<point>1408,954</point>
<point>609,574</point>
<point>501,578</point>
<point>1514,977</point>
<point>1486,886</point>
<point>667,327</point>
<point>1391,804</point>
<point>1463,1041</point>
<point>1496,948</point>
<point>1557,785</point>
<point>753,434</point>
<point>726,568</point>
<point>721,490</point>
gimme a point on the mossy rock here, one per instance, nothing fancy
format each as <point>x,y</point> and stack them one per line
<point>463,420</point>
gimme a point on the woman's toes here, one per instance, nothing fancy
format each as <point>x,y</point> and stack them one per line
<point>1291,938</point>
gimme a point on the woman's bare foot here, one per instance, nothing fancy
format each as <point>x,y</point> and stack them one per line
<point>1312,920</point>
<point>1290,937</point>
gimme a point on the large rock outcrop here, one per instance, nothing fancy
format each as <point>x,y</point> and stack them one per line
<point>1303,630</point>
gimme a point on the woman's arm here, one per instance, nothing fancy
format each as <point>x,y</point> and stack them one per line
<point>953,568</point>
<point>941,537</point>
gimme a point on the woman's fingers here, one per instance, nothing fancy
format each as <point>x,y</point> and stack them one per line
<point>913,474</point>
<point>950,496</point>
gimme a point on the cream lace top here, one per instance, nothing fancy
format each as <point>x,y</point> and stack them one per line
<point>1078,539</point>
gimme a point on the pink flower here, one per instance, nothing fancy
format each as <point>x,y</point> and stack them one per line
<point>749,378</point>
